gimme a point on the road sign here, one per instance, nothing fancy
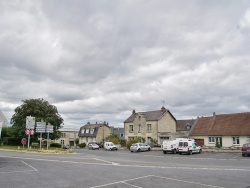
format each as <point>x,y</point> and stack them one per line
<point>32,131</point>
<point>40,127</point>
<point>50,129</point>
<point>24,141</point>
<point>27,131</point>
<point>30,122</point>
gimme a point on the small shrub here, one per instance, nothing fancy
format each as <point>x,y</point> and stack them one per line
<point>56,145</point>
<point>82,145</point>
<point>217,144</point>
<point>123,143</point>
<point>131,141</point>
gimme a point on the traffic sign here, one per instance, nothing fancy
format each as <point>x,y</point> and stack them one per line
<point>27,131</point>
<point>32,131</point>
<point>24,141</point>
<point>30,122</point>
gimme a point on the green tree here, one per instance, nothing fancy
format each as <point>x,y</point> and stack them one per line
<point>41,110</point>
<point>113,138</point>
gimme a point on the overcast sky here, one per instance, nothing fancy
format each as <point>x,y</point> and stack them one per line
<point>99,60</point>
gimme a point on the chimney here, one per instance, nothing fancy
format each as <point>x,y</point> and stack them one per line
<point>214,114</point>
<point>133,112</point>
<point>163,109</point>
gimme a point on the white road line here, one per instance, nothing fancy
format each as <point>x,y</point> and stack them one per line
<point>138,166</point>
<point>29,166</point>
<point>130,185</point>
<point>120,181</point>
<point>190,182</point>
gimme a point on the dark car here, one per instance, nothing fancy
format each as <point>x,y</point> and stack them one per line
<point>66,146</point>
<point>245,150</point>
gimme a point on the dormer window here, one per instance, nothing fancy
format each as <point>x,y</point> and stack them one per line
<point>83,130</point>
<point>87,131</point>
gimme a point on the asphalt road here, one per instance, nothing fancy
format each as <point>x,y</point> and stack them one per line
<point>123,169</point>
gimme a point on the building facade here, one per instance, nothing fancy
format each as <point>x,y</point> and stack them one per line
<point>153,126</point>
<point>227,130</point>
<point>68,136</point>
<point>94,132</point>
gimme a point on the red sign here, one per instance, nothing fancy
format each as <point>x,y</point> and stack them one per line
<point>27,131</point>
<point>32,131</point>
<point>24,141</point>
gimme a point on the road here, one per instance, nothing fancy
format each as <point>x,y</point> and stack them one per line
<point>123,169</point>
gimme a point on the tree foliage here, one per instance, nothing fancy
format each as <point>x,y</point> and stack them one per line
<point>113,138</point>
<point>41,110</point>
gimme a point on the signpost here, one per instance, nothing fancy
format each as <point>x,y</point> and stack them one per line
<point>30,124</point>
<point>49,129</point>
<point>40,128</point>
<point>24,141</point>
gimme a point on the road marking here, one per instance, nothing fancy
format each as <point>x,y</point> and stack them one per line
<point>29,166</point>
<point>130,185</point>
<point>187,182</point>
<point>120,181</point>
<point>139,166</point>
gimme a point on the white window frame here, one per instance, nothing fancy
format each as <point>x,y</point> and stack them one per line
<point>83,130</point>
<point>92,131</point>
<point>149,128</point>
<point>211,139</point>
<point>236,140</point>
<point>87,131</point>
<point>131,128</point>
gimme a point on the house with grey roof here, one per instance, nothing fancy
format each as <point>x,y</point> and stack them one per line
<point>228,130</point>
<point>68,136</point>
<point>153,126</point>
<point>119,131</point>
<point>94,132</point>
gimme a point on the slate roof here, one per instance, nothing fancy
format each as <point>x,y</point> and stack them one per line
<point>150,115</point>
<point>181,125</point>
<point>90,126</point>
<point>223,125</point>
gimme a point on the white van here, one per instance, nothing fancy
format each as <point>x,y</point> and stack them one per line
<point>188,146</point>
<point>171,145</point>
<point>110,146</point>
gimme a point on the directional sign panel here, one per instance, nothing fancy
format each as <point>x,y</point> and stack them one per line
<point>30,122</point>
<point>40,127</point>
<point>50,129</point>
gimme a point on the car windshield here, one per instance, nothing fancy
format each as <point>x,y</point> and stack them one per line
<point>133,144</point>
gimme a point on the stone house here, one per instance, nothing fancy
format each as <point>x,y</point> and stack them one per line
<point>153,126</point>
<point>229,130</point>
<point>93,132</point>
<point>68,136</point>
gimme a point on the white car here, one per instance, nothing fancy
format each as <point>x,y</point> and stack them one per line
<point>188,146</point>
<point>93,146</point>
<point>139,147</point>
<point>110,146</point>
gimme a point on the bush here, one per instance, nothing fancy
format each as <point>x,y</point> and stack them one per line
<point>217,144</point>
<point>131,141</point>
<point>55,145</point>
<point>123,143</point>
<point>82,145</point>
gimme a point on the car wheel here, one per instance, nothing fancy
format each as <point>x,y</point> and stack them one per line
<point>139,150</point>
<point>131,151</point>
<point>174,151</point>
<point>180,153</point>
<point>149,149</point>
<point>164,152</point>
<point>243,155</point>
<point>200,151</point>
<point>190,152</point>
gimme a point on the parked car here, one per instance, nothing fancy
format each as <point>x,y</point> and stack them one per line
<point>66,146</point>
<point>110,146</point>
<point>93,146</point>
<point>148,146</point>
<point>171,145</point>
<point>245,150</point>
<point>188,146</point>
<point>139,147</point>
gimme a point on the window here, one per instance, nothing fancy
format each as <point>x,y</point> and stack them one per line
<point>139,118</point>
<point>121,135</point>
<point>92,131</point>
<point>139,128</point>
<point>83,130</point>
<point>149,128</point>
<point>149,140</point>
<point>131,128</point>
<point>211,139</point>
<point>62,142</point>
<point>63,135</point>
<point>236,140</point>
<point>87,131</point>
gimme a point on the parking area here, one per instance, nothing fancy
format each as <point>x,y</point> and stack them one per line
<point>99,168</point>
